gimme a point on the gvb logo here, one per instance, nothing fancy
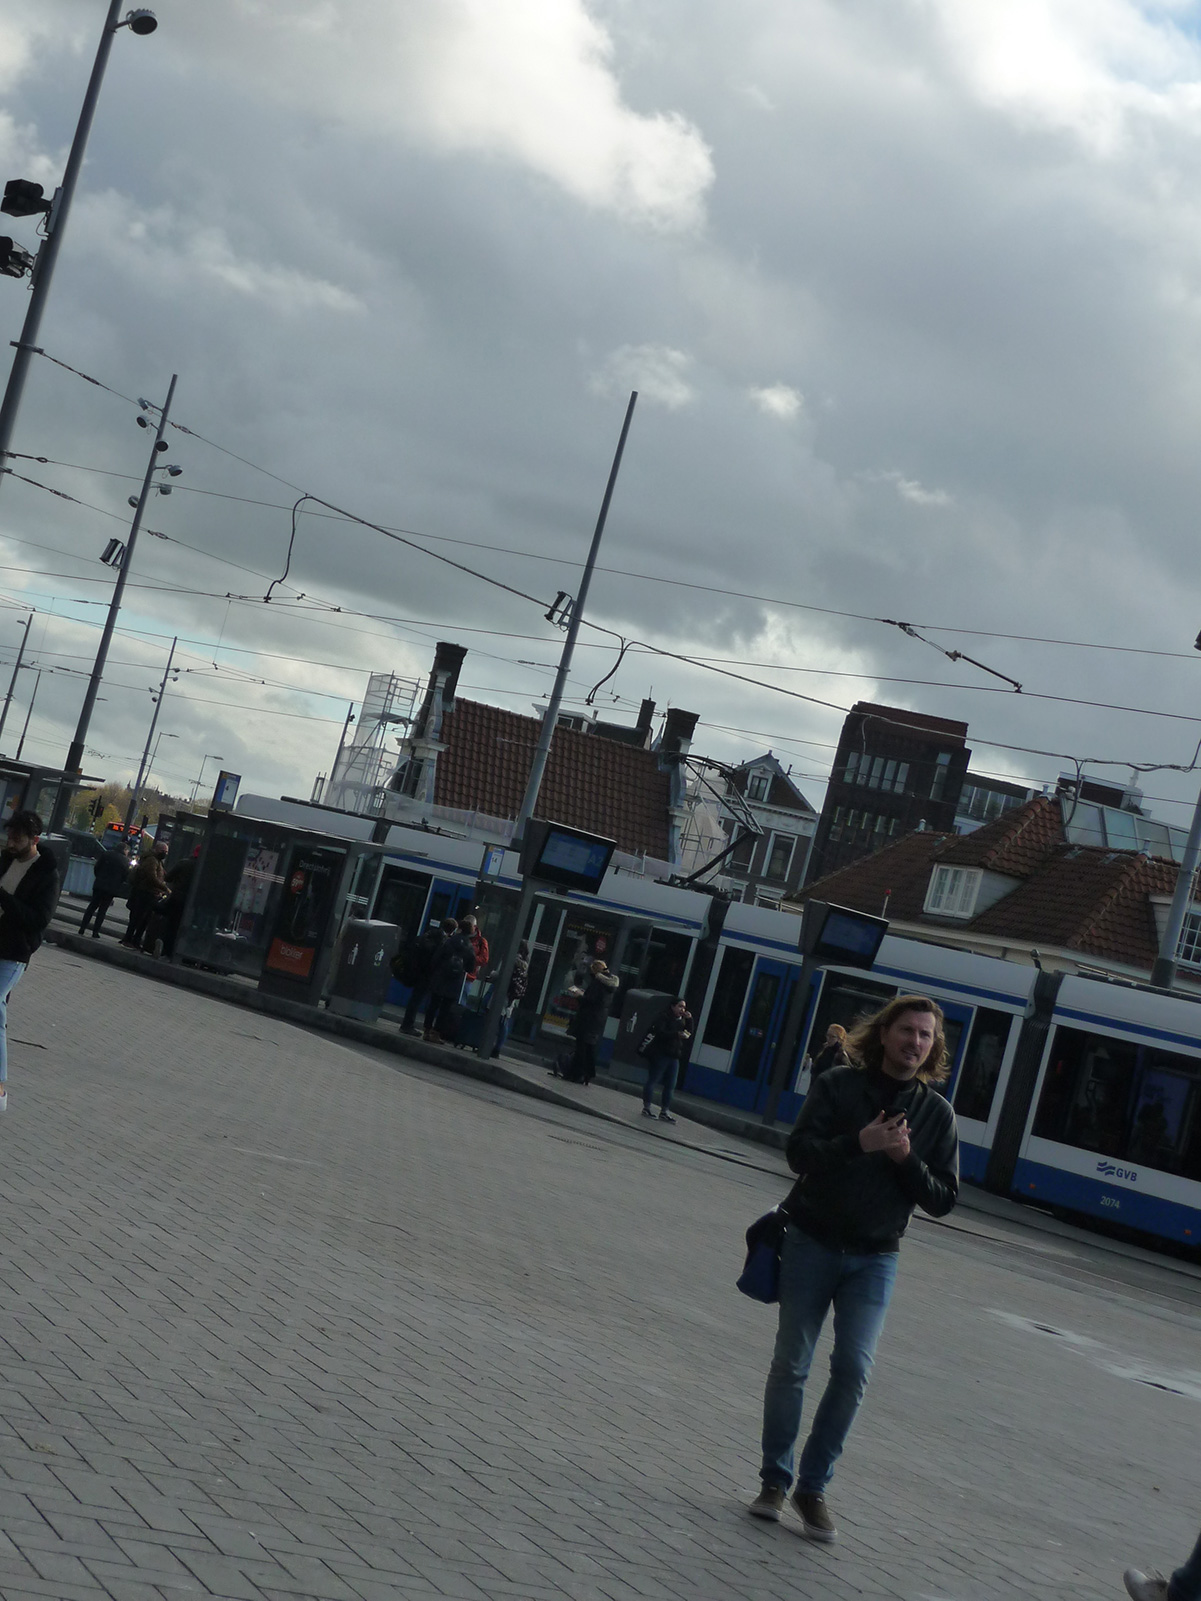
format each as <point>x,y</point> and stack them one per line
<point>1111,1172</point>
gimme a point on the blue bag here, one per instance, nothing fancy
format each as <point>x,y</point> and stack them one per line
<point>760,1277</point>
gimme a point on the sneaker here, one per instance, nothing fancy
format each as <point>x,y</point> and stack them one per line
<point>3,1100</point>
<point>646,1112</point>
<point>769,1503</point>
<point>666,1117</point>
<point>815,1515</point>
<point>1145,1586</point>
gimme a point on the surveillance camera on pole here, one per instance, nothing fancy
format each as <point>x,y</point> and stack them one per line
<point>23,198</point>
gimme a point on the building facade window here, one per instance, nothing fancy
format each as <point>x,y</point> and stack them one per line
<point>779,857</point>
<point>941,768</point>
<point>952,891</point>
<point>1189,949</point>
<point>758,786</point>
<point>743,853</point>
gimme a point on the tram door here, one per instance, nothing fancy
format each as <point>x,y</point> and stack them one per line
<point>762,1022</point>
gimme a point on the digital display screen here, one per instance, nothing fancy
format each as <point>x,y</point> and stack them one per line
<point>582,858</point>
<point>568,857</point>
<point>851,934</point>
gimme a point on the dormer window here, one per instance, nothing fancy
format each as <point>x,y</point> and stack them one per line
<point>953,891</point>
<point>758,786</point>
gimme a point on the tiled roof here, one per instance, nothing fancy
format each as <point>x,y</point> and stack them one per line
<point>900,873</point>
<point>1014,843</point>
<point>1079,898</point>
<point>592,783</point>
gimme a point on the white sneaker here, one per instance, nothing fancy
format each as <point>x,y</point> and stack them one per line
<point>3,1100</point>
<point>1145,1586</point>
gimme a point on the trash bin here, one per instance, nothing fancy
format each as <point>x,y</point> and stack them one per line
<point>640,1011</point>
<point>364,971</point>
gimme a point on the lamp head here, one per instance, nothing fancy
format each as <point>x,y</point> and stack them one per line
<point>140,21</point>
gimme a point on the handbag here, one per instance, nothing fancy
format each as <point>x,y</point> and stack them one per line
<point>760,1276</point>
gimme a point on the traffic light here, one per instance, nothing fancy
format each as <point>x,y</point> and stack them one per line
<point>23,198</point>
<point>14,261</point>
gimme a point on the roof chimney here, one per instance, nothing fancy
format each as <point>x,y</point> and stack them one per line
<point>678,729</point>
<point>646,713</point>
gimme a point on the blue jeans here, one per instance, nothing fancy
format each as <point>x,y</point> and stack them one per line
<point>660,1070</point>
<point>10,972</point>
<point>812,1279</point>
<point>1185,1583</point>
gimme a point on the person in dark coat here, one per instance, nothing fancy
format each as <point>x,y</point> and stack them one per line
<point>179,883</point>
<point>28,894</point>
<point>668,1043</point>
<point>147,886</point>
<point>110,879</point>
<point>589,1024</point>
<point>413,969</point>
<point>453,964</point>
<point>832,1054</point>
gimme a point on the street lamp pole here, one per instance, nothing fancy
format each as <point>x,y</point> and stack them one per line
<point>12,683</point>
<point>74,763</point>
<point>21,745</point>
<point>142,767</point>
<point>209,757</point>
<point>141,22</point>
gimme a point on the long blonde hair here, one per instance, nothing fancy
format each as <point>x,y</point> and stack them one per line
<point>866,1045</point>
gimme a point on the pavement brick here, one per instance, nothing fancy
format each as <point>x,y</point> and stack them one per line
<point>284,1317</point>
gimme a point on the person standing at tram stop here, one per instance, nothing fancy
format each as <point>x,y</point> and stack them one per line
<point>588,1025</point>
<point>28,893</point>
<point>147,886</point>
<point>832,1054</point>
<point>668,1044</point>
<point>873,1142</point>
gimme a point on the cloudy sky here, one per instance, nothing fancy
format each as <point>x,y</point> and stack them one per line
<point>910,290</point>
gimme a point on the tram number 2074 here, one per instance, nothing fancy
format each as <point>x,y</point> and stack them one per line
<point>1111,1200</point>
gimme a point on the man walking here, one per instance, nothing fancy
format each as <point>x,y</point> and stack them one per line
<point>668,1043</point>
<point>109,879</point>
<point>28,893</point>
<point>873,1142</point>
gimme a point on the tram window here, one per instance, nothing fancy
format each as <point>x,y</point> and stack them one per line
<point>728,996</point>
<point>401,900</point>
<point>846,1001</point>
<point>982,1063</point>
<point>1136,1103</point>
<point>666,959</point>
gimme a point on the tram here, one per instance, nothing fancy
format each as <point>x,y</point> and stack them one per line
<point>1079,1093</point>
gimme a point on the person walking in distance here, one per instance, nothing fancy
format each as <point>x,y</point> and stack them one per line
<point>873,1142</point>
<point>668,1044</point>
<point>147,886</point>
<point>109,879</point>
<point>1184,1585</point>
<point>589,1023</point>
<point>28,893</point>
<point>832,1054</point>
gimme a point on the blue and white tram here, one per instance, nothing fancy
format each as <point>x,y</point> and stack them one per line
<point>1113,1127</point>
<point>752,983</point>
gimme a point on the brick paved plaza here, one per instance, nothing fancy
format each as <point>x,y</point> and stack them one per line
<point>283,1319</point>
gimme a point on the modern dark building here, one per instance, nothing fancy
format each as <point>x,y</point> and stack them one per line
<point>894,771</point>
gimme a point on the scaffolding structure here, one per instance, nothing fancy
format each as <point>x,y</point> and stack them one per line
<point>364,761</point>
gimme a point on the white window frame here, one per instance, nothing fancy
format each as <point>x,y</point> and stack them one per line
<point>952,891</point>
<point>759,778</point>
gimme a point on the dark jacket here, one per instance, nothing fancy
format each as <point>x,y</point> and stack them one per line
<point>147,881</point>
<point>25,913</point>
<point>589,1022</point>
<point>852,1200</point>
<point>112,874</point>
<point>829,1056</point>
<point>668,1035</point>
<point>413,966</point>
<point>453,961</point>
